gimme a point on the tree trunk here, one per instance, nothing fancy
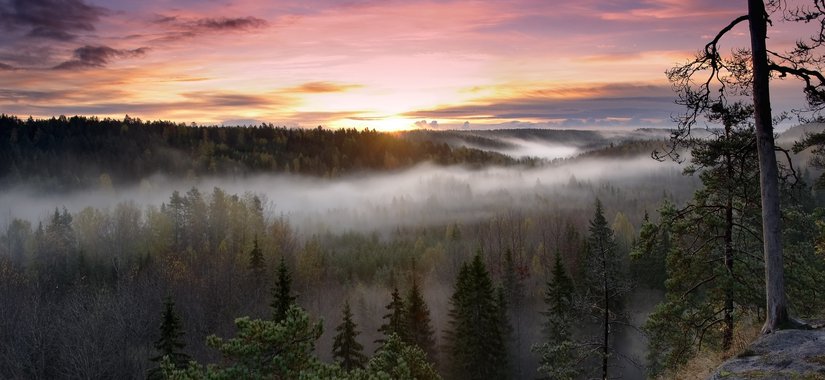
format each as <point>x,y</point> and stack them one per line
<point>727,335</point>
<point>777,309</point>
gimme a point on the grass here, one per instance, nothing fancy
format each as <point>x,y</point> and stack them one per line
<point>707,361</point>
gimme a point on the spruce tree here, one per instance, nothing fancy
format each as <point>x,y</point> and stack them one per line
<point>606,285</point>
<point>170,343</point>
<point>282,293</point>
<point>419,326</point>
<point>475,340</point>
<point>558,354</point>
<point>558,297</point>
<point>395,319</point>
<point>345,348</point>
<point>256,258</point>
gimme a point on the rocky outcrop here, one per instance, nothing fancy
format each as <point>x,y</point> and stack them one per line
<point>785,354</point>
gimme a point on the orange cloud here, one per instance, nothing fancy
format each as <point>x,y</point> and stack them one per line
<point>321,87</point>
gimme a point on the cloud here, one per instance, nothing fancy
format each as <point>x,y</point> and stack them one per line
<point>322,87</point>
<point>608,104</point>
<point>423,124</point>
<point>224,23</point>
<point>50,19</point>
<point>188,106</point>
<point>218,99</point>
<point>97,56</point>
<point>180,28</point>
<point>4,66</point>
<point>8,95</point>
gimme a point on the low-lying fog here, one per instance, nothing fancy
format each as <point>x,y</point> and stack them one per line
<point>423,195</point>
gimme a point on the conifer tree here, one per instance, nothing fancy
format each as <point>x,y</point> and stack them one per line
<point>346,349</point>
<point>170,343</point>
<point>397,360</point>
<point>419,327</point>
<point>711,264</point>
<point>395,319</point>
<point>558,354</point>
<point>606,285</point>
<point>649,255</point>
<point>475,341</point>
<point>256,258</point>
<point>282,293</point>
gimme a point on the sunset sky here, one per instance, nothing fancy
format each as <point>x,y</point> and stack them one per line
<point>376,64</point>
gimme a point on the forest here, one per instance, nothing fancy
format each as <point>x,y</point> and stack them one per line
<point>402,255</point>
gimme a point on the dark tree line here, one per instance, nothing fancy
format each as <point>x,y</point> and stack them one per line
<point>64,153</point>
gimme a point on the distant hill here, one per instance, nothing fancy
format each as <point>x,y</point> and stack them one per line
<point>540,143</point>
<point>76,152</point>
<point>793,134</point>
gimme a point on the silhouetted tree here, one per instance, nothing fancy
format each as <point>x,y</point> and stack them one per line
<point>558,355</point>
<point>256,259</point>
<point>282,298</point>
<point>395,321</point>
<point>169,345</point>
<point>345,348</point>
<point>419,328</point>
<point>606,285</point>
<point>476,347</point>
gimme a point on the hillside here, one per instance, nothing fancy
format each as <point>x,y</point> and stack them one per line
<point>79,151</point>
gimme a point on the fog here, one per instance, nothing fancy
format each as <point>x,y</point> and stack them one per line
<point>521,148</point>
<point>495,206</point>
<point>420,196</point>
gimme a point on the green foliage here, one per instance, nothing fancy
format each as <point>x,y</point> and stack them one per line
<point>345,348</point>
<point>649,255</point>
<point>419,331</point>
<point>476,346</point>
<point>714,266</point>
<point>395,319</point>
<point>397,360</point>
<point>267,350</point>
<point>170,345</point>
<point>282,298</point>
<point>558,361</point>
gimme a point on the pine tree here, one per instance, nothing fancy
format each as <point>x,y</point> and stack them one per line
<point>346,349</point>
<point>715,247</point>
<point>395,319</point>
<point>268,349</point>
<point>397,360</point>
<point>256,259</point>
<point>558,354</point>
<point>475,341</point>
<point>282,293</point>
<point>169,344</point>
<point>419,327</point>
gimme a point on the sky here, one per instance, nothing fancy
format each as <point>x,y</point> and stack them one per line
<point>384,64</point>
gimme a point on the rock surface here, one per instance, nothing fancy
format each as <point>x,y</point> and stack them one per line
<point>785,354</point>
